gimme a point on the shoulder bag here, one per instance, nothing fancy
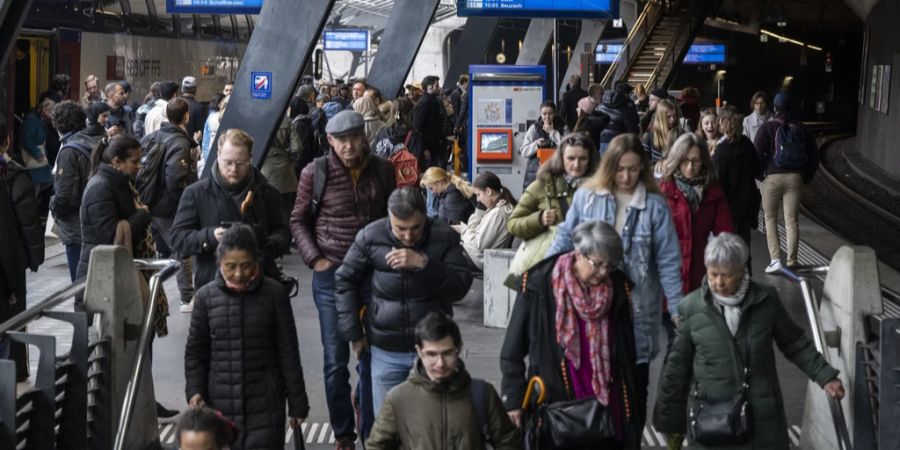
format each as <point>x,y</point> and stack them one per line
<point>584,422</point>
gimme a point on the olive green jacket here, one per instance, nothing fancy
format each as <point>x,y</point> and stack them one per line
<point>420,414</point>
<point>525,221</point>
<point>707,362</point>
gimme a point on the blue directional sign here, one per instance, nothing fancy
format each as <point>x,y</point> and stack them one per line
<point>213,6</point>
<point>354,40</point>
<point>580,9</point>
<point>261,85</point>
<point>697,54</point>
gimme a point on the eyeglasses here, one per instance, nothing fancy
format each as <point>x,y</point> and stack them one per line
<point>237,163</point>
<point>598,266</point>
<point>446,355</point>
<point>693,162</point>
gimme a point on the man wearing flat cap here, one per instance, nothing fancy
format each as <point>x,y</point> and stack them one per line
<point>338,195</point>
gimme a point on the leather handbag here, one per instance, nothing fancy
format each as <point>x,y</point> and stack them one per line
<point>30,162</point>
<point>728,422</point>
<point>576,423</point>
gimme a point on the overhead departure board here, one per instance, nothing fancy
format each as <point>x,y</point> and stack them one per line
<point>213,6</point>
<point>697,54</point>
<point>580,9</point>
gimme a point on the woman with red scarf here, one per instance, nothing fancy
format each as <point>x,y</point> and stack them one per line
<point>572,319</point>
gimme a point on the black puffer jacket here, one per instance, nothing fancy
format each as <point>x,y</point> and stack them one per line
<point>593,126</point>
<point>399,298</point>
<point>107,200</point>
<point>623,117</point>
<point>206,204</point>
<point>242,357</point>
<point>73,168</point>
<point>25,210</point>
<point>180,169</point>
<point>454,206</point>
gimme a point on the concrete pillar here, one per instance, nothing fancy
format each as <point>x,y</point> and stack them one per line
<point>591,30</point>
<point>535,43</point>
<point>498,299</point>
<point>852,292</point>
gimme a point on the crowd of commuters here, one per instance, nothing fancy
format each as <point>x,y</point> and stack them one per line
<point>625,229</point>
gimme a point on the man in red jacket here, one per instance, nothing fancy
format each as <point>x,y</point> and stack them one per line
<point>324,224</point>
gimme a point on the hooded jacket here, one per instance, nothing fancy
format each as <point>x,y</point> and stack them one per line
<point>422,414</point>
<point>623,116</point>
<point>26,214</point>
<point>73,168</point>
<point>208,203</point>
<point>242,357</point>
<point>400,298</point>
<point>454,206</point>
<point>179,169</point>
<point>279,164</point>
<point>486,230</point>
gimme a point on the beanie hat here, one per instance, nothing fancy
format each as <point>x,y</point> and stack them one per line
<point>587,104</point>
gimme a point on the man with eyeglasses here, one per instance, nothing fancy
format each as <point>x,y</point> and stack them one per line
<point>235,192</point>
<point>436,401</point>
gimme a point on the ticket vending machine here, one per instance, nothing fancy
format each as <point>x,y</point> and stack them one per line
<point>503,102</point>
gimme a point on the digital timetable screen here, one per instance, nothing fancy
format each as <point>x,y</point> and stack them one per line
<point>213,6</point>
<point>697,54</point>
<point>354,40</point>
<point>582,9</point>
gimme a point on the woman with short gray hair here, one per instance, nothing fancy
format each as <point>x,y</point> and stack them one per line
<point>572,319</point>
<point>731,319</point>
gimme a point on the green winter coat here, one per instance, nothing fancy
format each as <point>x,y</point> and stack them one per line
<point>525,221</point>
<point>420,414</point>
<point>705,361</point>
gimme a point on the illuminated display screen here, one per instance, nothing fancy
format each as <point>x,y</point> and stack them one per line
<point>698,53</point>
<point>494,142</point>
<point>539,8</point>
<point>352,40</point>
<point>213,6</point>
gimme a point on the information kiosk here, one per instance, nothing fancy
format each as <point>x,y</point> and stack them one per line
<point>503,102</point>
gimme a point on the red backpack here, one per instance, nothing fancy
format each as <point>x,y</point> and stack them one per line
<point>406,165</point>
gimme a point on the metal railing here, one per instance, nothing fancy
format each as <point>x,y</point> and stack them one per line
<point>820,340</point>
<point>640,32</point>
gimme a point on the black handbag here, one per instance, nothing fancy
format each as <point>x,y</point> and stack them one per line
<point>576,423</point>
<point>728,422</point>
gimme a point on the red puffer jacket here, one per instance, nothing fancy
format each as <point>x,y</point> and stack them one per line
<point>344,209</point>
<point>694,227</point>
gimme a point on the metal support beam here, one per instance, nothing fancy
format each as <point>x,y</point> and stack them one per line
<point>591,31</point>
<point>7,404</point>
<point>40,432</point>
<point>473,43</point>
<point>403,35</point>
<point>281,45</point>
<point>535,43</point>
<point>12,16</point>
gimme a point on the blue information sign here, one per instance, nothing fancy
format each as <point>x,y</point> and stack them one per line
<point>697,54</point>
<point>580,9</point>
<point>354,40</point>
<point>213,6</point>
<point>261,85</point>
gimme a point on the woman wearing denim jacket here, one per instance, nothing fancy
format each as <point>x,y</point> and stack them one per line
<point>624,193</point>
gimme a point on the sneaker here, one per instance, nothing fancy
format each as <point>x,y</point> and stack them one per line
<point>165,413</point>
<point>345,444</point>
<point>774,266</point>
<point>186,307</point>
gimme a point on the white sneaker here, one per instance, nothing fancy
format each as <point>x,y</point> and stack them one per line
<point>774,266</point>
<point>187,307</point>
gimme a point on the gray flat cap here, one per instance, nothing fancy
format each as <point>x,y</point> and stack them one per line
<point>345,123</point>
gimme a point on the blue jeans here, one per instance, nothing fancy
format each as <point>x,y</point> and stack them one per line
<point>336,353</point>
<point>388,370</point>
<point>73,254</point>
<point>432,204</point>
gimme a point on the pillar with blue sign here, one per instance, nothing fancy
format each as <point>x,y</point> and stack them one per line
<point>503,102</point>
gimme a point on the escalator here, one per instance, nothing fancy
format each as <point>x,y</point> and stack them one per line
<point>658,42</point>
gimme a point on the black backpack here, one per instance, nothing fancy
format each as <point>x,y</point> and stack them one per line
<point>790,147</point>
<point>478,391</point>
<point>320,178</point>
<point>150,180</point>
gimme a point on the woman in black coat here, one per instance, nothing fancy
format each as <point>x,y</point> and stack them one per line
<point>737,166</point>
<point>588,282</point>
<point>109,198</point>
<point>242,356</point>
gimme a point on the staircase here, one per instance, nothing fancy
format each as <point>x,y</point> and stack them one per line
<point>658,42</point>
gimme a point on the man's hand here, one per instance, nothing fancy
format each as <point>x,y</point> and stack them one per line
<point>296,422</point>
<point>197,401</point>
<point>198,136</point>
<point>359,346</point>
<point>835,389</point>
<point>516,417</point>
<point>404,258</point>
<point>322,264</point>
<point>218,233</point>
<point>549,217</point>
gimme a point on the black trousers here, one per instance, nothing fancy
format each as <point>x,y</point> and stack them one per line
<point>641,380</point>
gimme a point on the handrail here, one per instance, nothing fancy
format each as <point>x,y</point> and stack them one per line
<point>167,268</point>
<point>21,319</point>
<point>653,7</point>
<point>669,52</point>
<point>812,312</point>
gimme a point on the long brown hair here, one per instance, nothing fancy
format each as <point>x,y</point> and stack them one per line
<point>605,177</point>
<point>555,166</point>
<point>487,180</point>
<point>682,146</point>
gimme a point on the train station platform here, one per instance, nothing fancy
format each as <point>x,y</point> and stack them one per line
<point>481,344</point>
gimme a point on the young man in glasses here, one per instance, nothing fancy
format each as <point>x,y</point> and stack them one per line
<point>434,407</point>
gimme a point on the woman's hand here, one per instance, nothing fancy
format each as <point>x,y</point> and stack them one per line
<point>548,128</point>
<point>197,401</point>
<point>549,217</point>
<point>516,417</point>
<point>835,389</point>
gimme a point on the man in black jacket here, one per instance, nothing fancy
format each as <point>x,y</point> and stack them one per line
<point>569,103</point>
<point>428,121</point>
<point>416,265</point>
<point>198,111</point>
<point>180,170</point>
<point>623,116</point>
<point>456,96</point>
<point>117,100</point>
<point>235,192</point>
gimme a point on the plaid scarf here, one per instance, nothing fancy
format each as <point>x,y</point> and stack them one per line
<point>692,189</point>
<point>591,304</point>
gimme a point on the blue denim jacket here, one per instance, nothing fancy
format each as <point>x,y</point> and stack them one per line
<point>652,255</point>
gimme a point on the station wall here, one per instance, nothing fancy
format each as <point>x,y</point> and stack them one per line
<point>878,136</point>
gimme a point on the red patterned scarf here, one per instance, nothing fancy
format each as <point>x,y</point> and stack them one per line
<point>591,304</point>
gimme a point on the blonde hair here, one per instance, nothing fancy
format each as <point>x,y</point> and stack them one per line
<point>682,146</point>
<point>238,138</point>
<point>436,175</point>
<point>663,136</point>
<point>367,107</point>
<point>605,177</point>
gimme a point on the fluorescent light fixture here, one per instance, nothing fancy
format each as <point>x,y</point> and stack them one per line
<point>792,41</point>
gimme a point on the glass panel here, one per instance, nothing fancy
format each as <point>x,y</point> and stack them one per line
<point>109,14</point>
<point>207,27</point>
<point>140,15</point>
<point>186,24</point>
<point>226,26</point>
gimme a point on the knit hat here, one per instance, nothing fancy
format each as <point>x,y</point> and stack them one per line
<point>587,104</point>
<point>782,101</point>
<point>659,93</point>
